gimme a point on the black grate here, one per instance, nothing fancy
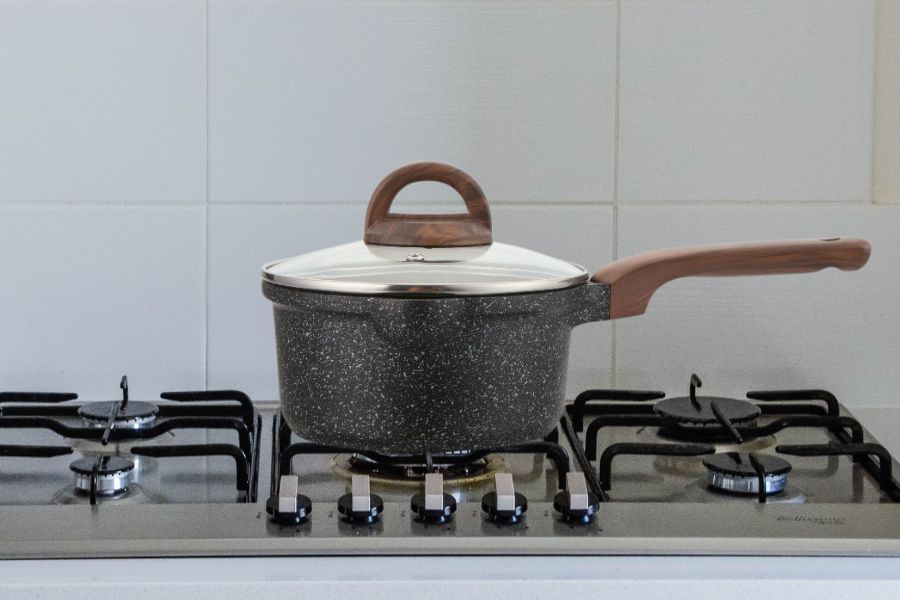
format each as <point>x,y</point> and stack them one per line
<point>225,409</point>
<point>285,449</point>
<point>808,408</point>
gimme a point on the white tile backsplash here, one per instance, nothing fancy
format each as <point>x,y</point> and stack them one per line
<point>886,139</point>
<point>243,237</point>
<point>102,101</point>
<point>736,120</point>
<point>734,100</point>
<point>92,293</point>
<point>878,421</point>
<point>315,101</point>
<point>834,330</point>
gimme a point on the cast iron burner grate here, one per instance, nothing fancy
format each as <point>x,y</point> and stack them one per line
<point>122,420</point>
<point>285,449</point>
<point>735,423</point>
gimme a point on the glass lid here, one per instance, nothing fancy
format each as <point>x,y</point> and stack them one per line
<point>360,268</point>
<point>425,255</point>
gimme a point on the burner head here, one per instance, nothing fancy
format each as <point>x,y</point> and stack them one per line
<point>408,470</point>
<point>684,413</point>
<point>113,475</point>
<point>733,472</point>
<point>135,415</point>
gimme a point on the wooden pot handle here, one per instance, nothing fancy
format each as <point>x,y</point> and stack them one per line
<point>633,280</point>
<point>472,228</point>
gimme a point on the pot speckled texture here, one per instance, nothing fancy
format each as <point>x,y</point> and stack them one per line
<point>405,376</point>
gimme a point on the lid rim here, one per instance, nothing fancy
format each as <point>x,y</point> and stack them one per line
<point>364,269</point>
<point>351,288</point>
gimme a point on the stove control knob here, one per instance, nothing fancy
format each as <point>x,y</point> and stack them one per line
<point>360,506</point>
<point>576,503</point>
<point>289,507</point>
<point>504,505</point>
<point>433,505</point>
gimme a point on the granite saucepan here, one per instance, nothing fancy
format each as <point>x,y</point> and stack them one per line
<point>428,336</point>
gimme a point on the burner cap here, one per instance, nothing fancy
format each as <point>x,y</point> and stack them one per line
<point>683,411</point>
<point>113,475</point>
<point>733,472</point>
<point>135,415</point>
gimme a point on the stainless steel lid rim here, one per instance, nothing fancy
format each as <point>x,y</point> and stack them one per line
<point>360,269</point>
<point>419,291</point>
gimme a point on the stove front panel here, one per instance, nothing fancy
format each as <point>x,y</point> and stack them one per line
<point>619,528</point>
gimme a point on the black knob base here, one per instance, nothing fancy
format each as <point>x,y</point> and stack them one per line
<point>304,510</point>
<point>489,506</point>
<point>345,508</point>
<point>417,505</point>
<point>562,506</point>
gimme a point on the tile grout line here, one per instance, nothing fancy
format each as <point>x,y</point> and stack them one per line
<point>206,220</point>
<point>615,200</point>
<point>873,132</point>
<point>885,187</point>
<point>873,157</point>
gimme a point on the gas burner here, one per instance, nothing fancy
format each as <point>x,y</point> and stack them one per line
<point>134,415</point>
<point>699,411</point>
<point>706,418</point>
<point>455,467</point>
<point>735,472</point>
<point>114,475</point>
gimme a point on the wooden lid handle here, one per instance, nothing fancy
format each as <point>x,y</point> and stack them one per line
<point>633,280</point>
<point>472,228</point>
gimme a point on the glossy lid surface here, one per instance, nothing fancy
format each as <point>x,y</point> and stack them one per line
<point>370,269</point>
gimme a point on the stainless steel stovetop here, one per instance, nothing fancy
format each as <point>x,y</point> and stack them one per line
<point>180,501</point>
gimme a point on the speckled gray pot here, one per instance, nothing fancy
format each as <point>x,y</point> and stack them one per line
<point>404,376</point>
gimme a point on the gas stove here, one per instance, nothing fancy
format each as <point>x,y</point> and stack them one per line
<point>625,472</point>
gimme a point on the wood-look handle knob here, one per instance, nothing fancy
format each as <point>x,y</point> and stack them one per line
<point>472,228</point>
<point>633,280</point>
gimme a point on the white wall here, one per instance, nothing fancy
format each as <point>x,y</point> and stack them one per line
<point>154,153</point>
